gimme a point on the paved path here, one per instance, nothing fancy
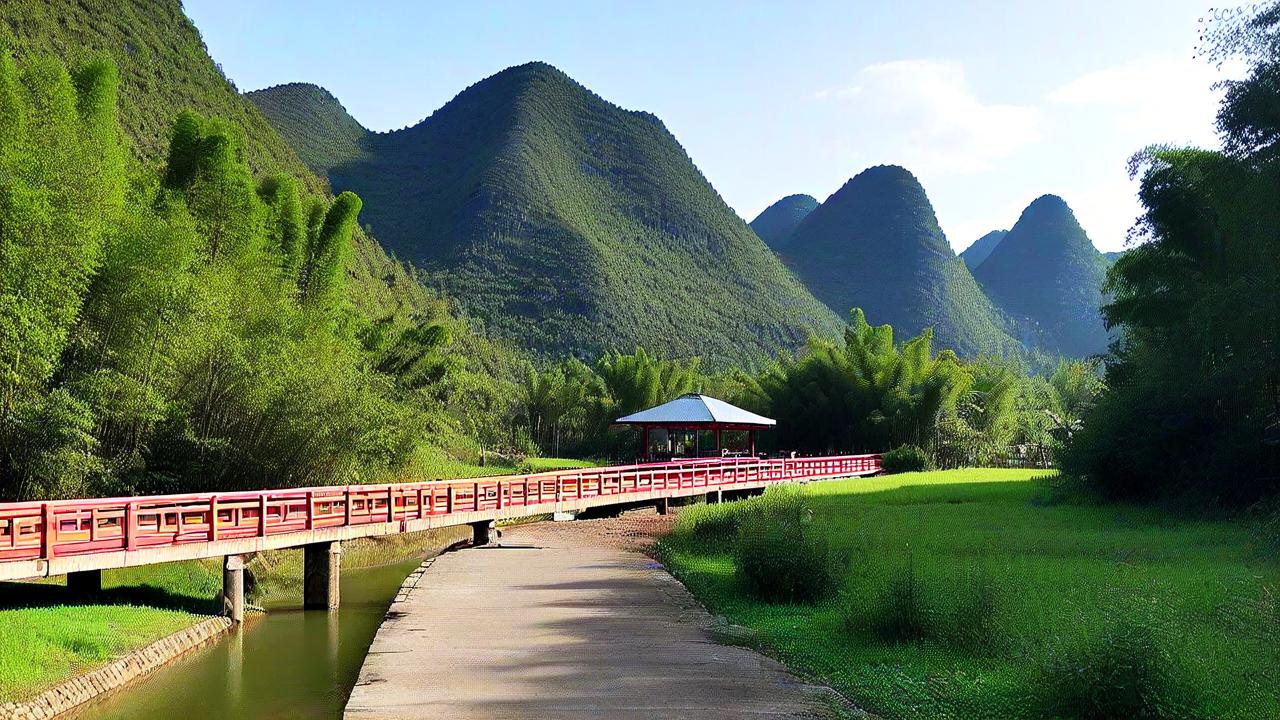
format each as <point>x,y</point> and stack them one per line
<point>556,623</point>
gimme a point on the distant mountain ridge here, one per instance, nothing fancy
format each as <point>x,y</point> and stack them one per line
<point>776,223</point>
<point>876,244</point>
<point>560,220</point>
<point>981,248</point>
<point>1047,275</point>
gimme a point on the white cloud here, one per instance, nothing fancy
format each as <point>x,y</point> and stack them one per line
<point>923,114</point>
<point>1163,99</point>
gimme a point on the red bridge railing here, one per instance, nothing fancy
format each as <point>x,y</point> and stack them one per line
<point>45,530</point>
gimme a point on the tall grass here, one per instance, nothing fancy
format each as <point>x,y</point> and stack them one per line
<point>782,552</point>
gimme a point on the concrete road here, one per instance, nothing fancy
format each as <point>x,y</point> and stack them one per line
<point>555,623</point>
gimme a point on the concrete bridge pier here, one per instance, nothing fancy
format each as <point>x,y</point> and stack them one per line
<point>321,569</point>
<point>233,587</point>
<point>715,498</point>
<point>482,532</point>
<point>85,582</point>
<point>664,506</point>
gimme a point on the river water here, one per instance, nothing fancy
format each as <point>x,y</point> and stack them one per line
<point>288,664</point>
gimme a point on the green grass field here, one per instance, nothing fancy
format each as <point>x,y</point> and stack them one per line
<point>1058,582</point>
<point>47,635</point>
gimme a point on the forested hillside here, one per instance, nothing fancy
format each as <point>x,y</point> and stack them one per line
<point>313,123</point>
<point>981,248</point>
<point>875,244</point>
<point>1047,275</point>
<point>202,270</point>
<point>561,220</point>
<point>165,68</point>
<point>775,223</point>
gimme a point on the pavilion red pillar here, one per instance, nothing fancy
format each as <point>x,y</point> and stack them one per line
<point>644,442</point>
<point>719,443</point>
<point>751,443</point>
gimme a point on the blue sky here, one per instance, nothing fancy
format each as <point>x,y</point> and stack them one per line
<point>990,104</point>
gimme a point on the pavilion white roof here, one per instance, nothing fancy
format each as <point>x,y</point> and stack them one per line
<point>695,408</point>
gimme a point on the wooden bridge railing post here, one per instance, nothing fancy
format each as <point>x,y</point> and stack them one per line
<point>262,515</point>
<point>130,527</point>
<point>46,531</point>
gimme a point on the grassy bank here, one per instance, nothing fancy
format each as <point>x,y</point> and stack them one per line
<point>48,635</point>
<point>966,594</point>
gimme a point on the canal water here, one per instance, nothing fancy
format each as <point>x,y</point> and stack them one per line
<point>290,663</point>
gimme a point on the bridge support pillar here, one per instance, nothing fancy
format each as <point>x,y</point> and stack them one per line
<point>664,506</point>
<point>321,568</point>
<point>715,498</point>
<point>564,516</point>
<point>233,587</point>
<point>85,582</point>
<point>482,532</point>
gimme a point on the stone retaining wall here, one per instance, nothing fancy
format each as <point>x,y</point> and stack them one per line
<point>83,688</point>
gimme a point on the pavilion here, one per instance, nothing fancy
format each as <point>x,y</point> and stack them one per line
<point>696,412</point>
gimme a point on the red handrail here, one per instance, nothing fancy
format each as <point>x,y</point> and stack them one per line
<point>45,530</point>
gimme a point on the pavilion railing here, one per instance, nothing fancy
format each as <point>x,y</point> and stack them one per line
<point>45,530</point>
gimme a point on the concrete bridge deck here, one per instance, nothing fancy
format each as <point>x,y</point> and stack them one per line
<point>557,622</point>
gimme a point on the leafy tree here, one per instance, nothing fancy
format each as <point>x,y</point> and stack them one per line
<point>61,181</point>
<point>329,252</point>
<point>1193,385</point>
<point>287,225</point>
<point>867,395</point>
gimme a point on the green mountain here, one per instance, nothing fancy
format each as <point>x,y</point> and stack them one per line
<point>981,248</point>
<point>775,223</point>
<point>876,244</point>
<point>1047,275</point>
<point>164,69</point>
<point>1113,256</point>
<point>560,220</point>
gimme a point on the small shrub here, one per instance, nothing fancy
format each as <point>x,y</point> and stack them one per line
<point>906,458</point>
<point>911,606</point>
<point>709,522</point>
<point>1122,673</point>
<point>902,614</point>
<point>972,620</point>
<point>782,553</point>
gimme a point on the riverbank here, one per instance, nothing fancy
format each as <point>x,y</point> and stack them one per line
<point>977,593</point>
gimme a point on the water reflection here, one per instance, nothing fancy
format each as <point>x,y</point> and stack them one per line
<point>290,663</point>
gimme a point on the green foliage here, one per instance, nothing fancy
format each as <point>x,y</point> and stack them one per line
<point>185,329</point>
<point>1123,672</point>
<point>776,223</point>
<point>329,252</point>
<point>561,221</point>
<point>1193,400</point>
<point>570,405</point>
<point>866,395</point>
<point>905,458</point>
<point>164,68</point>
<point>61,189</point>
<point>875,244</point>
<point>1047,275</point>
<point>782,553</point>
<point>287,225</point>
<point>709,522</point>
<point>957,612</point>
